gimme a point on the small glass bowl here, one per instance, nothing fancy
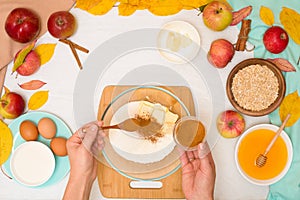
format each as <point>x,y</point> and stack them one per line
<point>188,132</point>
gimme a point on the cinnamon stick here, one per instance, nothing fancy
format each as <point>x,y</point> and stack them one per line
<point>76,46</point>
<point>243,35</point>
<point>75,55</point>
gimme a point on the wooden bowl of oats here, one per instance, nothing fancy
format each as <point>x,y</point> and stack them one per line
<point>255,87</point>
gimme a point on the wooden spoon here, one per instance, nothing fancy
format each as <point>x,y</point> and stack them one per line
<point>144,127</point>
<point>262,158</point>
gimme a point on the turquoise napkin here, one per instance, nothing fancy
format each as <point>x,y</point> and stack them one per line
<point>288,188</point>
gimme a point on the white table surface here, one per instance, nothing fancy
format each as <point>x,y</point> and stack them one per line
<point>61,73</point>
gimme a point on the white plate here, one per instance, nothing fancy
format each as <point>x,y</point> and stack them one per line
<point>178,42</point>
<point>289,146</point>
<point>32,163</point>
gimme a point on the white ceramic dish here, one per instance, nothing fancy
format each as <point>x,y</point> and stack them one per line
<point>288,144</point>
<point>32,163</point>
<point>178,42</point>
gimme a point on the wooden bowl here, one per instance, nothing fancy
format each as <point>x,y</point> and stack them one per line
<point>244,109</point>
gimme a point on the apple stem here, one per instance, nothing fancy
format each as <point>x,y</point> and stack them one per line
<point>3,102</point>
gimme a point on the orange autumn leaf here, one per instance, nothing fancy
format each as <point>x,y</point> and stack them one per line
<point>266,15</point>
<point>45,51</point>
<point>290,105</point>
<point>37,100</point>
<point>6,142</point>
<point>290,20</point>
<point>194,4</point>
<point>96,7</point>
<point>32,85</point>
<point>166,7</point>
<point>126,9</point>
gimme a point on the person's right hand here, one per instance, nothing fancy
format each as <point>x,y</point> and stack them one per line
<point>198,174</point>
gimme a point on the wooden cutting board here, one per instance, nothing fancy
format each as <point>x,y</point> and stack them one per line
<point>114,185</point>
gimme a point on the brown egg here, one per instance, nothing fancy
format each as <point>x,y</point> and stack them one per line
<point>28,130</point>
<point>47,128</point>
<point>58,146</point>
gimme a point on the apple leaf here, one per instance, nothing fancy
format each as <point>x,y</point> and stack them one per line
<point>290,105</point>
<point>37,100</point>
<point>290,20</point>
<point>96,7</point>
<point>21,55</point>
<point>45,51</point>
<point>32,85</point>
<point>266,15</point>
<point>6,142</point>
<point>283,64</point>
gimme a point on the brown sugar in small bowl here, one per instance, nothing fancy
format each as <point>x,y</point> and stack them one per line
<point>246,87</point>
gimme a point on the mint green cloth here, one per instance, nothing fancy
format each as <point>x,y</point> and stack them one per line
<point>288,188</point>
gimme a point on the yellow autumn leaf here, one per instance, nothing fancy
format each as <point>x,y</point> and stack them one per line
<point>194,4</point>
<point>126,9</point>
<point>6,142</point>
<point>290,20</point>
<point>37,100</point>
<point>96,7</point>
<point>290,105</point>
<point>266,15</point>
<point>45,51</point>
<point>166,7</point>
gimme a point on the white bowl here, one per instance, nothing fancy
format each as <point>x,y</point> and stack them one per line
<point>289,147</point>
<point>178,42</point>
<point>32,163</point>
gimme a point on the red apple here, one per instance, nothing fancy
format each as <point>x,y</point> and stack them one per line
<point>275,39</point>
<point>22,25</point>
<point>220,53</point>
<point>12,105</point>
<point>230,124</point>
<point>31,64</point>
<point>61,24</point>
<point>217,15</point>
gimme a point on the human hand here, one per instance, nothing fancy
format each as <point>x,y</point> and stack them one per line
<point>198,174</point>
<point>81,148</point>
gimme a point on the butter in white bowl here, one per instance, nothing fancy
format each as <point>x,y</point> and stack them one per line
<point>32,163</point>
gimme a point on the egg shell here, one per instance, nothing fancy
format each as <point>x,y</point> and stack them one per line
<point>58,146</point>
<point>28,130</point>
<point>47,128</point>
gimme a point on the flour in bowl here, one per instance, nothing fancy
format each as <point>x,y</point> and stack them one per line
<point>149,149</point>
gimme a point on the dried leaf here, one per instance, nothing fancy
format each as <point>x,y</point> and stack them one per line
<point>96,7</point>
<point>21,55</point>
<point>290,105</point>
<point>32,85</point>
<point>266,15</point>
<point>166,7</point>
<point>37,100</point>
<point>283,64</point>
<point>238,16</point>
<point>126,9</point>
<point>6,142</point>
<point>290,20</point>
<point>45,51</point>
